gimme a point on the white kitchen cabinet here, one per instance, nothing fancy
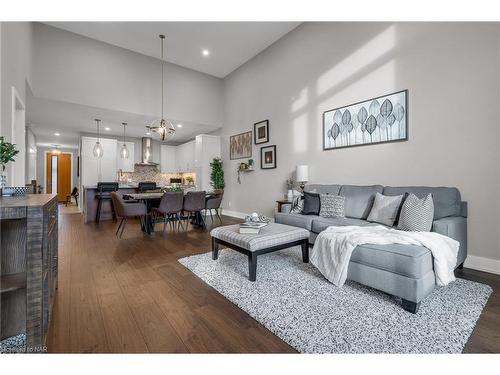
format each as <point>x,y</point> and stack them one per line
<point>126,165</point>
<point>95,169</point>
<point>168,159</point>
<point>207,147</point>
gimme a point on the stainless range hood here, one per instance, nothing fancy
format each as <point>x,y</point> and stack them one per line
<point>147,152</point>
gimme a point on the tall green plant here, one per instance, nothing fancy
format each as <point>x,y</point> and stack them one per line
<point>7,152</point>
<point>217,174</point>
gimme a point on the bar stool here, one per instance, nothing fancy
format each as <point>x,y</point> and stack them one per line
<point>104,190</point>
<point>145,186</point>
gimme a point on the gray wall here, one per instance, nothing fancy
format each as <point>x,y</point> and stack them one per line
<point>76,69</point>
<point>16,69</point>
<point>452,74</point>
<point>41,165</point>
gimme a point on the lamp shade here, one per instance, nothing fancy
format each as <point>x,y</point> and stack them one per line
<point>302,173</point>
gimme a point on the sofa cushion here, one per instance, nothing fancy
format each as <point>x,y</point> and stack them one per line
<point>359,199</point>
<point>446,199</point>
<point>322,189</point>
<point>296,220</point>
<point>385,209</point>
<point>331,205</point>
<point>407,260</point>
<point>321,223</point>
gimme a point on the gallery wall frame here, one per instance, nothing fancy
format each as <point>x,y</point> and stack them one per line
<point>268,157</point>
<point>240,146</point>
<point>261,132</point>
<point>382,119</point>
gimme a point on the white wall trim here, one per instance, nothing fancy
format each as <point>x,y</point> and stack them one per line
<point>239,215</point>
<point>483,264</point>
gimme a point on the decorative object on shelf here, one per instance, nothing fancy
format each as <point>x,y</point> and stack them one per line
<point>261,132</point>
<point>8,153</point>
<point>378,120</point>
<point>250,164</point>
<point>302,175</point>
<point>217,175</point>
<point>240,146</point>
<point>244,167</point>
<point>124,153</point>
<point>55,150</point>
<point>190,180</point>
<point>98,150</point>
<point>268,157</point>
<point>163,127</point>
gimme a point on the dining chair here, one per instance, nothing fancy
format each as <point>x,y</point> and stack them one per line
<point>74,194</point>
<point>213,203</point>
<point>194,202</point>
<point>127,210</point>
<point>146,186</point>
<point>104,190</point>
<point>170,208</point>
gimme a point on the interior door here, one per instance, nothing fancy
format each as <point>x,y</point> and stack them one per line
<point>58,179</point>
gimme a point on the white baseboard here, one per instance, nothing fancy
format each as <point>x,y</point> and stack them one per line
<point>239,215</point>
<point>483,264</point>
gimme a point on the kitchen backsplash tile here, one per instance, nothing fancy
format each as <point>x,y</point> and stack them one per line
<point>151,173</point>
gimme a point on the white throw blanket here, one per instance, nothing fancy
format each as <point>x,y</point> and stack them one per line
<point>333,248</point>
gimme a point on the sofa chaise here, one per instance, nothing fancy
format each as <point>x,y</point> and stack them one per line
<point>405,271</point>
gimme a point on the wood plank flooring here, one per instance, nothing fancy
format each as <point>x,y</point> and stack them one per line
<point>132,296</point>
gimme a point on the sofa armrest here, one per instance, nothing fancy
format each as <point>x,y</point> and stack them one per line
<point>463,209</point>
<point>454,227</point>
<point>286,208</point>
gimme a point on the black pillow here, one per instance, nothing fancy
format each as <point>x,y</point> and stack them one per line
<point>312,204</point>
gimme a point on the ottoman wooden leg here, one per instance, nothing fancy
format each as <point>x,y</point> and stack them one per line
<point>305,251</point>
<point>252,266</point>
<point>215,248</point>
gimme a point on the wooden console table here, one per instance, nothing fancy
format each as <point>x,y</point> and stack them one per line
<point>28,273</point>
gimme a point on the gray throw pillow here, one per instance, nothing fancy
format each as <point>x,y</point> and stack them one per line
<point>385,209</point>
<point>332,205</point>
<point>417,214</point>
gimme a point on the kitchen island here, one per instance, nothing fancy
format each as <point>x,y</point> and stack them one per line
<point>89,202</point>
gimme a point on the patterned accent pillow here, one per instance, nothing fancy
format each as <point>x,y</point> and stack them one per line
<point>385,209</point>
<point>297,205</point>
<point>332,205</point>
<point>417,214</point>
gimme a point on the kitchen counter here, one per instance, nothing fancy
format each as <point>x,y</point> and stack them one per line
<point>28,200</point>
<point>89,202</point>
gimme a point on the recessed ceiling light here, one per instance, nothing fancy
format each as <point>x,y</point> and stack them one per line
<point>179,125</point>
<point>107,128</point>
<point>205,52</point>
<point>57,134</point>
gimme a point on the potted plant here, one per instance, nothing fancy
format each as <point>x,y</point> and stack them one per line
<point>217,175</point>
<point>7,153</point>
<point>190,180</point>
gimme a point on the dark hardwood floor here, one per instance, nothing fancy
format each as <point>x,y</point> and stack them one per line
<point>133,296</point>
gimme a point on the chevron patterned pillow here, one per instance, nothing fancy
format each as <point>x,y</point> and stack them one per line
<point>417,214</point>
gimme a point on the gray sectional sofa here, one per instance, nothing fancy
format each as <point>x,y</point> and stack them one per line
<point>405,271</point>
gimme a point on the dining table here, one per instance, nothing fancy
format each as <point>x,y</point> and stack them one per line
<point>149,198</point>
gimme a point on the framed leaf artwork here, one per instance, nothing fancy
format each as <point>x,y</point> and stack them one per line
<point>240,146</point>
<point>261,132</point>
<point>268,157</point>
<point>378,120</point>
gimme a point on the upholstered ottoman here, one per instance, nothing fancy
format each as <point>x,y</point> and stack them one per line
<point>271,238</point>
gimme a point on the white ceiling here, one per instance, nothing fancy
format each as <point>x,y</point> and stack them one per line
<point>231,44</point>
<point>46,117</point>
